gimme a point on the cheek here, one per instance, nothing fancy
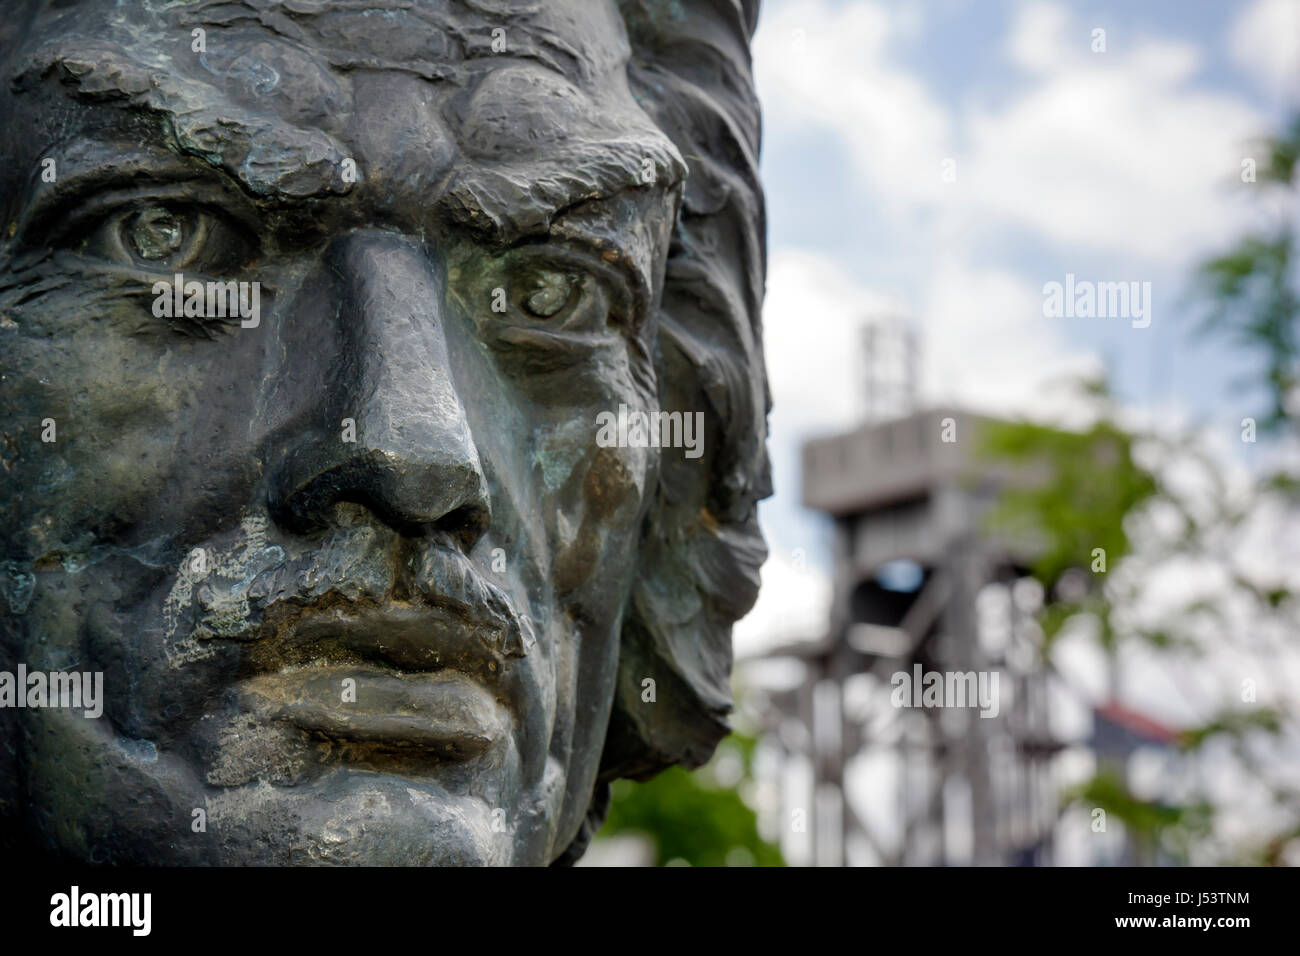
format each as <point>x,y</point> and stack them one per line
<point>597,515</point>
<point>86,434</point>
<point>107,432</point>
<point>552,482</point>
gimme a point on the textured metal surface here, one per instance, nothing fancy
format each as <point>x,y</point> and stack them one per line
<point>362,584</point>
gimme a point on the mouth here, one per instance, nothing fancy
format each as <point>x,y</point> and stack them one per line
<point>387,682</point>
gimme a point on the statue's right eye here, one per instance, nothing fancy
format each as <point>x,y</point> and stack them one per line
<point>159,237</point>
<point>162,236</point>
<point>156,233</point>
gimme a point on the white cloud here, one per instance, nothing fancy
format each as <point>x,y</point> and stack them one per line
<point>1025,44</point>
<point>830,66</point>
<point>812,317</point>
<point>1265,42</point>
<point>986,343</point>
<point>989,346</point>
<point>1115,151</point>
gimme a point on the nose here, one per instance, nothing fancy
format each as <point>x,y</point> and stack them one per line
<point>411,459</point>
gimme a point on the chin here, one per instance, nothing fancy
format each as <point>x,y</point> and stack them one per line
<point>356,818</point>
<point>108,800</point>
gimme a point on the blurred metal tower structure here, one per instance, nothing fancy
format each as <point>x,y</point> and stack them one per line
<point>909,499</point>
<point>892,354</point>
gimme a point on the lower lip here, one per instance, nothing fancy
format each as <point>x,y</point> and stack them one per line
<point>444,713</point>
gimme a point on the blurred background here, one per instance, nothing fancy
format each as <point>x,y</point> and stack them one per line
<point>1033,335</point>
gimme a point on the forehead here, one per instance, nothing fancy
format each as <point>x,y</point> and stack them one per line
<point>513,108</point>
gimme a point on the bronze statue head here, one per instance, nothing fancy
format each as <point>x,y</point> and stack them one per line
<point>311,315</point>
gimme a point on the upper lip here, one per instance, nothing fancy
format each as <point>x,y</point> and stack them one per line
<point>447,594</point>
<point>391,635</point>
<point>429,653</point>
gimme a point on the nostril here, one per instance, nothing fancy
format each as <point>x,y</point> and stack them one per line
<point>467,523</point>
<point>412,496</point>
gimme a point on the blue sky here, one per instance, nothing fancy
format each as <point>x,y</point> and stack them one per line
<point>1114,165</point>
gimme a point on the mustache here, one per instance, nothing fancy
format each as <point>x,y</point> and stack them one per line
<point>256,595</point>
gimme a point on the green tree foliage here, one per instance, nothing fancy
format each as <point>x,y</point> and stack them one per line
<point>692,817</point>
<point>1251,291</point>
<point>1094,484</point>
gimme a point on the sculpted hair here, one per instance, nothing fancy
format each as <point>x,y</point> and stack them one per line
<point>701,547</point>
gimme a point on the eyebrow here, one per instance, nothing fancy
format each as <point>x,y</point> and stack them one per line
<point>133,170</point>
<point>512,199</point>
<point>474,200</point>
<point>270,159</point>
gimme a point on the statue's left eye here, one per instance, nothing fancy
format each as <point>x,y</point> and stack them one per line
<point>546,296</point>
<point>547,293</point>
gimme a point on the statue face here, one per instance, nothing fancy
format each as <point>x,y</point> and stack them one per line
<point>351,560</point>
